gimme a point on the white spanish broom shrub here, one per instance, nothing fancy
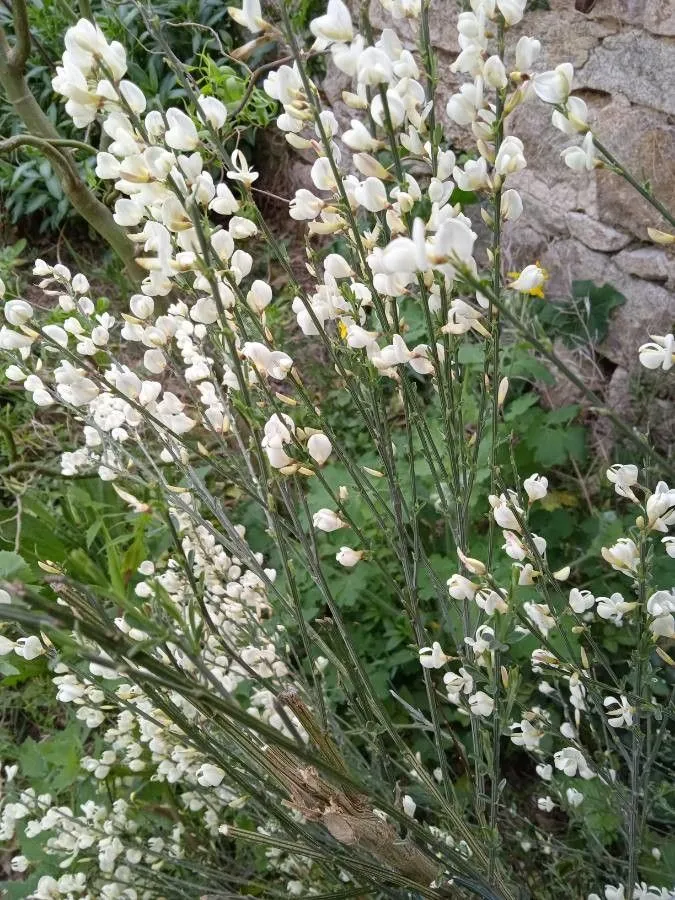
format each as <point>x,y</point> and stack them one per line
<point>264,726</point>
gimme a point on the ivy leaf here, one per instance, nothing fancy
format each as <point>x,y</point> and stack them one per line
<point>583,317</point>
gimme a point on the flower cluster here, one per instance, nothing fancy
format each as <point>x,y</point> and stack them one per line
<point>196,377</point>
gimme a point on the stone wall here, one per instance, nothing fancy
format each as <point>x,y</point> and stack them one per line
<point>590,226</point>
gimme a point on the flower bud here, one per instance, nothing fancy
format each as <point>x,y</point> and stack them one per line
<point>494,73</point>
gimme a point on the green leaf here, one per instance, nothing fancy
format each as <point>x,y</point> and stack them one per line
<point>601,301</point>
<point>582,318</point>
<point>520,405</point>
<point>13,566</point>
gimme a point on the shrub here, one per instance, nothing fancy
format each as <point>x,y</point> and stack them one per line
<point>232,713</point>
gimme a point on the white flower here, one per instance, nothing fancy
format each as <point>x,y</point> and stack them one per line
<point>661,508</point>
<point>613,608</point>
<point>621,713</point>
<point>511,206</point>
<point>249,16</point>
<point>661,602</point>
<point>12,340</point>
<point>574,119</point>
<point>337,266</point>
<point>224,203</point>
<point>457,684</point>
<point>513,546</point>
<point>319,448</point>
<point>512,10</point>
<point>536,487</point>
<point>374,67</point>
<point>669,543</point>
<point>475,566</point>
<point>530,281</point>
<point>581,601</point>
<point>213,111</point>
<point>481,643</point>
<point>574,798</point>
<point>274,363</point>
<point>569,760</point>
<point>371,194</point>
<point>348,557</point>
<point>209,775</point>
<point>481,704</point>
<point>661,606</point>
<point>660,353</point>
<point>19,864</point>
<point>335,25</point>
<point>6,646</point>
<point>277,433</point>
<point>29,647</point>
<point>583,158</point>
<point>545,772</point>
<point>527,51</point>
<point>305,206</point>
<point>503,513</point>
<point>494,73</point>
<point>181,133</point>
<point>545,804</point>
<point>474,175</point>
<point>623,478</point>
<point>14,373</point>
<point>611,893</point>
<point>433,657</point>
<point>555,86</point>
<point>623,556</point>
<point>409,805</point>
<point>540,615</point>
<point>241,171</point>
<point>259,296</point>
<point>529,736</point>
<point>462,317</point>
<point>359,139</point>
<point>326,520</point>
<point>17,312</point>
<point>491,602</point>
<point>240,228</point>
<point>322,175</point>
<point>56,334</point>
<point>510,156</point>
<point>141,306</point>
<point>460,588</point>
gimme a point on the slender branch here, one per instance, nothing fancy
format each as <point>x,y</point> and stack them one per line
<point>495,327</point>
<point>46,147</point>
<point>7,145</point>
<point>640,188</point>
<point>637,439</point>
<point>637,796</point>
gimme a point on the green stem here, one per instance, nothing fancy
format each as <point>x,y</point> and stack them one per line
<point>493,313</point>
<point>640,188</point>
<point>636,439</point>
<point>637,798</point>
